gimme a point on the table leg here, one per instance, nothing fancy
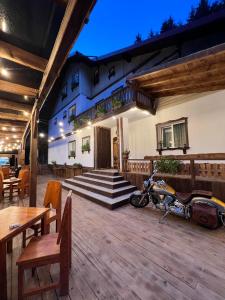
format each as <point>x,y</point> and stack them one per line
<point>3,275</point>
<point>44,226</point>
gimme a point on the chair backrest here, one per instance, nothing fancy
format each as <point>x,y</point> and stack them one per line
<point>24,175</point>
<point>53,195</point>
<point>64,235</point>
<point>6,171</point>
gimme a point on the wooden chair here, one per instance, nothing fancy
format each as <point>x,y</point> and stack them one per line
<point>6,172</point>
<point>53,200</point>
<point>3,187</point>
<point>23,186</point>
<point>46,250</point>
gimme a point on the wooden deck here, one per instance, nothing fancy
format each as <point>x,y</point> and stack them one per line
<point>127,254</point>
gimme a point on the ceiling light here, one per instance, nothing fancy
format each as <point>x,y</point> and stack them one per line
<point>25,97</point>
<point>42,135</point>
<point>4,128</point>
<point>17,141</point>
<point>49,140</point>
<point>7,138</point>
<point>3,25</point>
<point>61,124</point>
<point>146,112</point>
<point>13,129</point>
<point>25,113</point>
<point>4,72</point>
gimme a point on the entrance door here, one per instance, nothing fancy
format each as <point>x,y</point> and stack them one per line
<point>115,153</point>
<point>103,148</point>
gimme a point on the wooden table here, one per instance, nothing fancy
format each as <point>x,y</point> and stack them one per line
<point>25,216</point>
<point>11,181</point>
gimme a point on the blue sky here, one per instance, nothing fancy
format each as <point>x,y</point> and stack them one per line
<point>114,24</point>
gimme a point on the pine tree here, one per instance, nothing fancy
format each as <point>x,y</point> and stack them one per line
<point>151,34</point>
<point>203,9</point>
<point>192,14</point>
<point>168,25</point>
<point>138,38</point>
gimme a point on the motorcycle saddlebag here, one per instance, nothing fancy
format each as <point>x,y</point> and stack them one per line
<point>205,213</point>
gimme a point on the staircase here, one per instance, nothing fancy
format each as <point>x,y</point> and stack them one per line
<point>105,187</point>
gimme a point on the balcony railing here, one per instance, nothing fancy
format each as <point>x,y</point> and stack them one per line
<point>116,103</point>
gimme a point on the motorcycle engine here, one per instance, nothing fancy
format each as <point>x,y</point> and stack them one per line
<point>177,208</point>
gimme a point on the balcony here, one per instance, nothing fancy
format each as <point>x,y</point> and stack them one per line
<point>117,103</point>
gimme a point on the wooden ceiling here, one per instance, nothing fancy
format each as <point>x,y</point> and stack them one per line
<point>199,72</point>
<point>32,54</point>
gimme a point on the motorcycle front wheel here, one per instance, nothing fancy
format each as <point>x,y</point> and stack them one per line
<point>139,201</point>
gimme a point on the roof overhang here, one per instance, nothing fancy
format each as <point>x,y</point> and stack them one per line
<point>202,71</point>
<point>32,54</point>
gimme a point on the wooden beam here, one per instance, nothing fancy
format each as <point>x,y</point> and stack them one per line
<point>17,124</point>
<point>22,57</point>
<point>14,88</point>
<point>33,157</point>
<point>8,104</point>
<point>7,132</point>
<point>74,18</point>
<point>13,116</point>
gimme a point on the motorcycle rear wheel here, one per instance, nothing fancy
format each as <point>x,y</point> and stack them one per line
<point>138,201</point>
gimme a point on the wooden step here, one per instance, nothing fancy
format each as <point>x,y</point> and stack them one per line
<point>106,172</point>
<point>104,177</point>
<point>104,183</point>
<point>113,193</point>
<point>108,202</point>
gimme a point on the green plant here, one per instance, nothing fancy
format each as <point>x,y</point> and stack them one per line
<point>72,154</point>
<point>72,118</point>
<point>86,147</point>
<point>165,165</point>
<point>76,124</point>
<point>116,103</point>
<point>100,111</point>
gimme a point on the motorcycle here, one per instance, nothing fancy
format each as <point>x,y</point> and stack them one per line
<point>199,206</point>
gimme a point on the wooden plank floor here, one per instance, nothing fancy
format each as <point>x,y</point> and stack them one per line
<point>127,254</point>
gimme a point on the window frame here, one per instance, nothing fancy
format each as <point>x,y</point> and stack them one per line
<point>171,123</point>
<point>75,83</point>
<point>69,151</point>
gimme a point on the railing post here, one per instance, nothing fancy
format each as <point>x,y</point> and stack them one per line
<point>192,172</point>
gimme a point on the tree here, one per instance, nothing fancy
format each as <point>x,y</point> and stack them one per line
<point>168,25</point>
<point>192,14</point>
<point>203,9</point>
<point>138,38</point>
<point>151,34</point>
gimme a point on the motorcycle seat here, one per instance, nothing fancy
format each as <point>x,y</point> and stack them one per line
<point>187,197</point>
<point>184,197</point>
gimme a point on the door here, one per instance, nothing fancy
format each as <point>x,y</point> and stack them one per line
<point>103,148</point>
<point>115,153</point>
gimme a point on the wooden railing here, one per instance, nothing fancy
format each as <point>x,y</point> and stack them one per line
<point>191,165</point>
<point>114,104</point>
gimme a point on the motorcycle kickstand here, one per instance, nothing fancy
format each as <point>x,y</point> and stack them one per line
<point>163,217</point>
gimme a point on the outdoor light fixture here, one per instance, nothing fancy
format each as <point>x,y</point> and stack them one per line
<point>60,124</point>
<point>89,123</point>
<point>49,140</point>
<point>41,135</point>
<point>61,130</point>
<point>14,136</point>
<point>25,97</point>
<point>52,138</point>
<point>3,25</point>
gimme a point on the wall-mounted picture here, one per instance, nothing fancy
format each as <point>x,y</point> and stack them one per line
<point>86,144</point>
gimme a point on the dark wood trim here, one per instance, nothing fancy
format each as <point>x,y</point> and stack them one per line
<point>201,156</point>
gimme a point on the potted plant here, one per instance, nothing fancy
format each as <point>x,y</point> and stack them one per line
<point>100,111</point>
<point>170,166</point>
<point>116,103</point>
<point>72,118</point>
<point>125,154</point>
<point>72,154</point>
<point>76,124</point>
<point>86,147</point>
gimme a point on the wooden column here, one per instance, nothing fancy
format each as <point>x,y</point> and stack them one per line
<point>192,172</point>
<point>33,156</point>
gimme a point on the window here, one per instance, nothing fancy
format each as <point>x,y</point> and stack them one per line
<point>64,91</point>
<point>75,80</point>
<point>96,76</point>
<point>64,114</point>
<point>72,149</point>
<point>55,121</point>
<point>72,113</point>
<point>112,72</point>
<point>172,134</point>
